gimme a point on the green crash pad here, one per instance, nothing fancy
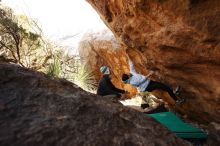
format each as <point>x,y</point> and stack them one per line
<point>176,125</point>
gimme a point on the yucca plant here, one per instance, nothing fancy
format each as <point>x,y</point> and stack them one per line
<point>54,68</point>
<point>145,96</point>
<point>150,98</point>
<point>85,78</point>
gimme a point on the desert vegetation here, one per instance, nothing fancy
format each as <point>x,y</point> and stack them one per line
<point>22,42</point>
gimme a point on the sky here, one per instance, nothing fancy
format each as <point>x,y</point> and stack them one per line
<point>60,18</point>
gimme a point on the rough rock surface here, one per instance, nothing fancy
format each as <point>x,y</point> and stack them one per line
<point>179,39</point>
<point>37,110</point>
<point>102,48</point>
<point>214,134</point>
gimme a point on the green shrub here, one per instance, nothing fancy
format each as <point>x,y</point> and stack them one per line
<point>85,78</point>
<point>54,68</point>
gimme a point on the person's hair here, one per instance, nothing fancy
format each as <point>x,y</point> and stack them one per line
<point>125,77</point>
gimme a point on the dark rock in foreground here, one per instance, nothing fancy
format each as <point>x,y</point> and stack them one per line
<point>36,110</point>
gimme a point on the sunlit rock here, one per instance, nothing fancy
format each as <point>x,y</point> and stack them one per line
<point>102,48</point>
<point>177,39</point>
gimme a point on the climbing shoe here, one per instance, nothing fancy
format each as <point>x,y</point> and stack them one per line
<point>177,91</point>
<point>180,101</point>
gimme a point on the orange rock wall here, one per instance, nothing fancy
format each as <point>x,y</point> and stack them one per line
<point>96,52</point>
<point>179,39</point>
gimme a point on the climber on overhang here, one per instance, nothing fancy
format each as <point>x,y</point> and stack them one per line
<point>143,83</point>
<point>106,87</point>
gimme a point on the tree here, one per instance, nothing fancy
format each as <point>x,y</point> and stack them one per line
<point>9,31</point>
<point>21,40</point>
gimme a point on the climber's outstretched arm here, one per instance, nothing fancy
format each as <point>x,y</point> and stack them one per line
<point>131,65</point>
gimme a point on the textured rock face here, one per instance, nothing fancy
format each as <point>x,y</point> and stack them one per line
<point>179,39</point>
<point>102,48</point>
<point>214,132</point>
<point>36,110</point>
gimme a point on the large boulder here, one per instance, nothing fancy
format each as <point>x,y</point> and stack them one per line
<point>179,39</point>
<point>101,48</point>
<point>36,110</point>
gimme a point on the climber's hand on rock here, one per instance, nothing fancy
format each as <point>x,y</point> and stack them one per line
<point>126,92</point>
<point>150,73</point>
<point>124,96</point>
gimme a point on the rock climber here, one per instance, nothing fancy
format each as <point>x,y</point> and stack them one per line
<point>143,83</point>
